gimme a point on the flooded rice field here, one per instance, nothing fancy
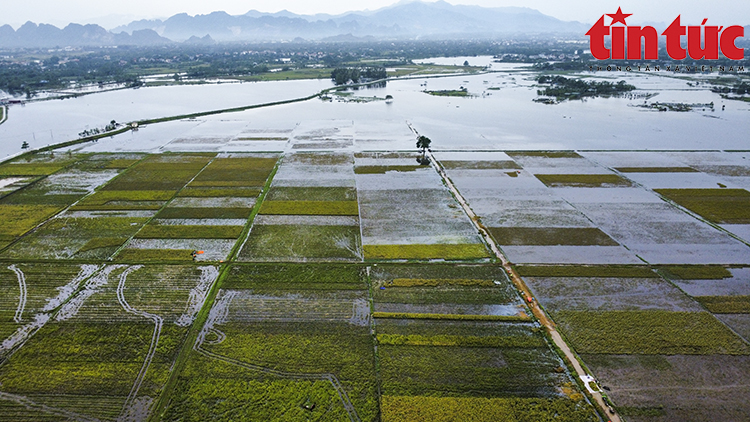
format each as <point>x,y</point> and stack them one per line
<point>566,207</point>
<point>498,114</point>
<point>320,265</point>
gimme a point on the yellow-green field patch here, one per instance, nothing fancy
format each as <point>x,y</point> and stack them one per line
<point>154,255</point>
<point>649,332</point>
<point>236,171</point>
<point>209,192</point>
<point>656,170</point>
<point>302,242</point>
<point>624,271</point>
<point>435,251</point>
<point>583,180</point>
<point>385,169</point>
<point>30,169</point>
<point>480,409</point>
<point>125,200</point>
<point>421,282</point>
<point>442,340</point>
<point>721,206</point>
<point>579,236</point>
<point>544,154</point>
<point>121,163</point>
<point>452,317</point>
<point>18,219</point>
<point>696,272</point>
<point>159,173</point>
<point>725,304</point>
<point>258,183</point>
<point>102,243</point>
<point>481,165</point>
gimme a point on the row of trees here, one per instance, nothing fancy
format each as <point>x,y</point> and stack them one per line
<point>27,71</point>
<point>344,75</point>
<point>741,88</point>
<point>26,79</point>
<point>96,131</point>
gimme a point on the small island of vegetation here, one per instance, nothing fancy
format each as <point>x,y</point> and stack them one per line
<point>561,88</point>
<point>738,91</point>
<point>681,107</point>
<point>461,92</point>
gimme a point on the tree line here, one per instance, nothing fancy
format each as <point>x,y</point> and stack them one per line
<point>344,75</point>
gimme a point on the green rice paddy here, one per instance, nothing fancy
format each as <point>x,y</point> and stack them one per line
<point>211,192</point>
<point>450,317</point>
<point>18,168</point>
<point>583,180</point>
<point>114,319</point>
<point>579,236</point>
<point>649,333</point>
<point>302,242</point>
<point>480,165</point>
<point>434,251</point>
<point>18,219</point>
<point>626,271</point>
<point>544,154</point>
<point>696,272</point>
<point>477,409</point>
<point>386,169</point>
<point>721,206</point>
<point>656,170</point>
<point>726,304</point>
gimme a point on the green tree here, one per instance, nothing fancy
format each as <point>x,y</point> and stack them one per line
<point>423,142</point>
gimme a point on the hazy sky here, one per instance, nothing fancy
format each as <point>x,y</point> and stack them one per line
<point>110,13</point>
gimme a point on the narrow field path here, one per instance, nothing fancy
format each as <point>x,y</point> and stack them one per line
<point>66,292</point>
<point>158,323</point>
<point>521,285</point>
<point>198,294</point>
<point>22,296</point>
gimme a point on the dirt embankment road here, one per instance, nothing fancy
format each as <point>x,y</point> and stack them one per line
<point>521,285</point>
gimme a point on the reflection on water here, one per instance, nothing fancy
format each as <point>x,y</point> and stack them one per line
<point>500,115</point>
<point>56,121</point>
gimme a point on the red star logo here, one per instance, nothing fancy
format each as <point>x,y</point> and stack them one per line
<point>619,16</point>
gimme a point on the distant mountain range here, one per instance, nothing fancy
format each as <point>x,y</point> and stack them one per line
<point>400,21</point>
<point>74,35</point>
